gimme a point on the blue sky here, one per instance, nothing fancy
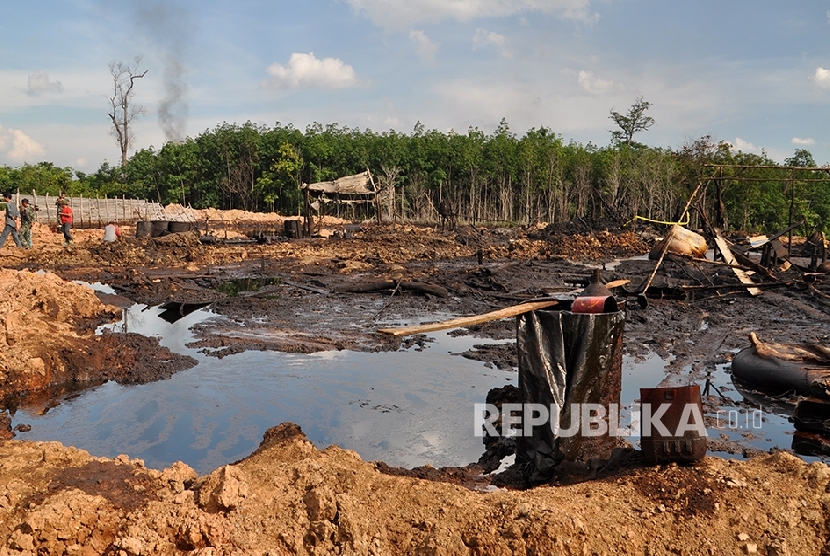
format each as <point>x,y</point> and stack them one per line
<point>755,73</point>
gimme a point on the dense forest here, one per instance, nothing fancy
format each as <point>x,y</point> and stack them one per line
<point>489,178</point>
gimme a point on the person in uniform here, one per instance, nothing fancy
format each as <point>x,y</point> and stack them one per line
<point>12,221</point>
<point>27,218</point>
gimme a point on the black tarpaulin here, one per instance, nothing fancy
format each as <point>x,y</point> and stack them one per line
<point>567,358</point>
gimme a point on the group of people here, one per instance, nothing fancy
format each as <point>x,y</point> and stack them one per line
<point>19,222</point>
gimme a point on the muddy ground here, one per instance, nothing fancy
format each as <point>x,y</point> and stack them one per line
<point>328,293</point>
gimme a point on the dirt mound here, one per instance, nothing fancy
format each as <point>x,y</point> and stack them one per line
<point>578,226</point>
<point>41,316</point>
<point>601,246</point>
<point>48,341</point>
<point>290,498</point>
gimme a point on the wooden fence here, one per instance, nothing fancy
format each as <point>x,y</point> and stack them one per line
<point>89,212</point>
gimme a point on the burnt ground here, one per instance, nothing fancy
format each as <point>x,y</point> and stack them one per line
<point>321,294</point>
<point>288,497</point>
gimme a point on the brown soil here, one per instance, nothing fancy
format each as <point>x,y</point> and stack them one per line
<point>48,343</point>
<point>290,498</point>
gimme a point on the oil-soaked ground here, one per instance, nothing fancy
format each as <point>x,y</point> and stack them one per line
<point>275,347</point>
<point>287,336</point>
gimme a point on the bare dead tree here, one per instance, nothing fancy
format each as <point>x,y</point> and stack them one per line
<point>387,182</point>
<point>123,112</point>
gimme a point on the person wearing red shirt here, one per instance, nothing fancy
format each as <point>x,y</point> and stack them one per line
<point>66,223</point>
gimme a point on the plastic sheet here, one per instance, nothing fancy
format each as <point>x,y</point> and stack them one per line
<point>567,358</point>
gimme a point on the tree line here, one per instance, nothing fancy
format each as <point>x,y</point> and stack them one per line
<point>499,177</point>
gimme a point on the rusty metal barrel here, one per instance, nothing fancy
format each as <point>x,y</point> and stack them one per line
<point>672,427</point>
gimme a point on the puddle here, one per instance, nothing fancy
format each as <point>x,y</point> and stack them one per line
<point>616,262</point>
<point>753,420</point>
<point>233,288</point>
<point>750,419</point>
<point>408,408</point>
<point>97,286</point>
<point>151,321</point>
<point>411,407</point>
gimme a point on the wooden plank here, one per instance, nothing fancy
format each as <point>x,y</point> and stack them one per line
<point>616,284</point>
<point>729,259</point>
<point>468,321</point>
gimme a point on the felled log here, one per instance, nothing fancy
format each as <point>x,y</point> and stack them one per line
<point>304,287</point>
<point>424,287</point>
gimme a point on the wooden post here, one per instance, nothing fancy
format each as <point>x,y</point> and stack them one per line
<point>378,208</point>
<point>307,224</point>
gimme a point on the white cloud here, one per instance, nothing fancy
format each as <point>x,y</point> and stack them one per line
<point>484,38</point>
<point>745,146</point>
<point>425,47</point>
<point>593,84</point>
<point>16,146</point>
<point>800,141</point>
<point>39,83</point>
<point>822,78</point>
<point>398,14</point>
<point>486,101</point>
<point>305,70</point>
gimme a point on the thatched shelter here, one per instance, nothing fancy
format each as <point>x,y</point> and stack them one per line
<point>359,189</point>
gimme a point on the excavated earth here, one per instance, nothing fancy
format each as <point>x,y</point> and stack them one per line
<point>335,292</point>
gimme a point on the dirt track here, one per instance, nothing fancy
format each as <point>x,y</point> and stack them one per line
<point>291,498</point>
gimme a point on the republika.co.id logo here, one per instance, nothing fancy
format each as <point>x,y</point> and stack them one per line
<point>597,420</point>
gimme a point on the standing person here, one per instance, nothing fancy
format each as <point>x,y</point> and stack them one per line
<point>66,223</point>
<point>27,218</point>
<point>12,221</point>
<point>60,203</point>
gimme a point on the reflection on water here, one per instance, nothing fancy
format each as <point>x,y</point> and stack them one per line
<point>754,421</point>
<point>407,408</point>
<point>410,407</point>
<point>745,417</point>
